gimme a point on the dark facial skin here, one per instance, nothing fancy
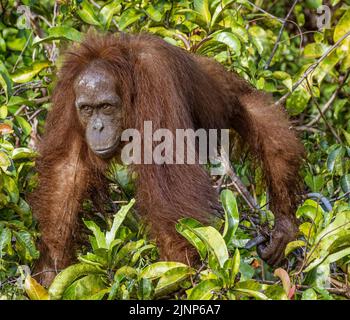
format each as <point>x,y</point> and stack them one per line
<point>99,110</point>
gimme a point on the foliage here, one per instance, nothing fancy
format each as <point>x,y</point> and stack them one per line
<point>308,71</point>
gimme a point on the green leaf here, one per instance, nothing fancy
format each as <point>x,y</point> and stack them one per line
<point>5,81</point>
<point>128,17</point>
<point>215,243</point>
<point>340,227</point>
<point>25,126</point>
<point>157,269</point>
<point>313,4</point>
<point>60,33</point>
<point>154,14</point>
<point>145,289</point>
<point>229,204</point>
<point>34,290</point>
<point>26,245</point>
<point>85,288</point>
<point>171,280</point>
<point>99,236</point>
<point>108,11</point>
<point>219,10</point>
<point>345,183</point>
<point>315,50</point>
<point>87,13</point>
<point>251,293</point>
<point>185,228</point>
<point>236,260</point>
<point>315,183</point>
<point>5,240</point>
<point>309,294</point>
<point>204,290</point>
<point>334,157</point>
<point>66,277</point>
<point>125,254</point>
<point>342,28</point>
<point>347,136</point>
<point>291,246</point>
<point>27,74</point>
<point>117,221</point>
<point>22,153</point>
<point>202,7</point>
<point>230,40</point>
<point>298,101</point>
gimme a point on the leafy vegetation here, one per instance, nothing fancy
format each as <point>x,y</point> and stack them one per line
<point>300,64</point>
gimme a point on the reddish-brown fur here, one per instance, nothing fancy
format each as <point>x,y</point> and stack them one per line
<point>174,89</point>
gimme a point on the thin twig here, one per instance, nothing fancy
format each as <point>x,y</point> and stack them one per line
<point>329,103</point>
<point>240,187</point>
<point>312,68</point>
<point>322,115</point>
<point>280,35</point>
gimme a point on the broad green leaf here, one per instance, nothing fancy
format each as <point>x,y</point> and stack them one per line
<point>5,240</point>
<point>311,210</point>
<point>3,109</point>
<point>87,13</point>
<point>185,228</point>
<point>291,246</point>
<point>108,11</point>
<point>309,294</point>
<point>153,13</point>
<point>5,81</point>
<point>25,244</point>
<point>145,289</point>
<point>34,290</point>
<point>347,136</point>
<point>219,9</point>
<point>345,183</point>
<point>236,261</point>
<point>315,50</point>
<point>214,242</point>
<point>117,221</point>
<point>229,204</point>
<point>58,33</point>
<point>128,17</point>
<point>230,40</point>
<point>85,288</point>
<point>66,277</point>
<point>276,292</point>
<point>99,236</point>
<point>16,44</point>
<point>204,290</point>
<point>11,188</point>
<point>315,183</point>
<point>251,293</point>
<point>202,7</point>
<point>22,153</point>
<point>126,253</point>
<point>5,161</point>
<point>340,227</point>
<point>342,28</point>
<point>334,158</point>
<point>24,124</point>
<point>171,280</point>
<point>27,74</point>
<point>313,4</point>
<point>308,230</point>
<point>298,101</point>
<point>157,269</point>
